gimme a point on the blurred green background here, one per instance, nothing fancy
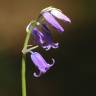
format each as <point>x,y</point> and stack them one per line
<point>75,70</point>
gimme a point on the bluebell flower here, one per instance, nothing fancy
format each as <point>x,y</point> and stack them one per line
<point>40,63</point>
<point>51,13</point>
<point>48,38</point>
<point>44,38</point>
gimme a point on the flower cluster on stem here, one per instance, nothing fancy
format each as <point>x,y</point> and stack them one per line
<point>42,38</point>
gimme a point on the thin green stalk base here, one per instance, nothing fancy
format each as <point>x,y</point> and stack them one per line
<point>23,73</point>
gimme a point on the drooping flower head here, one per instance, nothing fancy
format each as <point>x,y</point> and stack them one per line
<point>57,13</point>
<point>40,63</point>
<point>50,13</point>
<point>48,38</point>
<point>44,37</point>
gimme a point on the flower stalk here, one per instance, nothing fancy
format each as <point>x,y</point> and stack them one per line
<point>43,39</point>
<point>25,50</point>
<point>23,75</point>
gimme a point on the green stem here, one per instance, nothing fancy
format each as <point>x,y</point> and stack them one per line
<point>23,75</point>
<point>24,51</point>
<point>23,72</point>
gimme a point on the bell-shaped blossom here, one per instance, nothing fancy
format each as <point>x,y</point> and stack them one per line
<point>40,63</point>
<point>44,38</point>
<point>48,38</point>
<point>51,20</point>
<point>51,13</point>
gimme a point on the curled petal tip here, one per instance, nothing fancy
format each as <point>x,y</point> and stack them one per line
<point>53,61</point>
<point>48,47</point>
<point>36,75</point>
<point>55,45</point>
<point>51,45</point>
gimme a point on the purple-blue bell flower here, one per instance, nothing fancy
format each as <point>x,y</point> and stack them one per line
<point>40,63</point>
<point>51,13</point>
<point>51,20</point>
<point>48,38</point>
<point>44,38</point>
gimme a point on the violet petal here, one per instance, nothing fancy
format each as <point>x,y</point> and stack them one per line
<point>51,20</point>
<point>55,45</point>
<point>47,34</point>
<point>38,36</point>
<point>52,45</point>
<point>40,63</point>
<point>58,14</point>
<point>47,47</point>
